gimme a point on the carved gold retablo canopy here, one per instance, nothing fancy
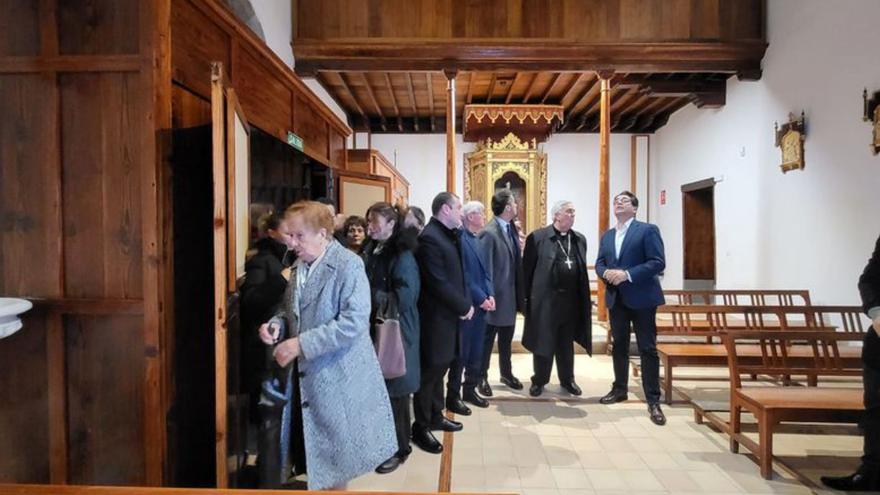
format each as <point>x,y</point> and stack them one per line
<point>509,164</point>
<point>528,122</point>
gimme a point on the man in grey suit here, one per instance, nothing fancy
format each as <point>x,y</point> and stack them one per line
<point>505,264</point>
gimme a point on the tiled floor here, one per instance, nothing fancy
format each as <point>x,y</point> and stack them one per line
<point>561,445</point>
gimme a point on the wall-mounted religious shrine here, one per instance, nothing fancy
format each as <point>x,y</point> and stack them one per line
<point>872,115</point>
<point>508,157</point>
<point>790,139</point>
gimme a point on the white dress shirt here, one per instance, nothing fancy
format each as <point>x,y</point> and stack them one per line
<point>619,236</point>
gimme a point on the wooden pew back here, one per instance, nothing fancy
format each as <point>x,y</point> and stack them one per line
<point>818,354</point>
<point>739,297</point>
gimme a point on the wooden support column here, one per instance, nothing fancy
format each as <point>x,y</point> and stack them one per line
<point>604,160</point>
<point>450,129</point>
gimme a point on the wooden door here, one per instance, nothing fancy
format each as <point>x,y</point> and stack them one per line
<point>231,177</point>
<point>698,202</point>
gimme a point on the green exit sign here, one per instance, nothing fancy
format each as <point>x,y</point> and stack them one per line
<point>294,140</point>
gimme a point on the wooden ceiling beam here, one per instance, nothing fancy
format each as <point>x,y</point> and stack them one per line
<point>470,92</point>
<point>732,57</point>
<point>491,88</point>
<point>353,96</point>
<point>429,82</point>
<point>412,99</point>
<point>393,101</point>
<point>531,89</point>
<point>374,101</point>
<point>588,99</point>
<point>510,89</point>
<point>550,88</point>
<point>574,80</point>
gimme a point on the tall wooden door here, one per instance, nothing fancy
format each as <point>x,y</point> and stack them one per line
<point>698,203</point>
<point>231,173</point>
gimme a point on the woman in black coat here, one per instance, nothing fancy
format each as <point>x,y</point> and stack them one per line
<point>392,269</point>
<point>266,275</point>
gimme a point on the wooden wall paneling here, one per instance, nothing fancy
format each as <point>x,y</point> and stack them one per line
<point>49,28</point>
<point>189,109</point>
<point>262,93</point>
<point>102,192</point>
<point>30,189</point>
<point>310,126</point>
<point>577,20</point>
<point>704,19</point>
<point>337,152</point>
<point>158,276</point>
<point>98,27</point>
<point>218,145</point>
<point>24,438</point>
<point>56,361</point>
<point>640,19</point>
<point>675,19</point>
<point>20,28</point>
<point>196,41</point>
<point>104,395</point>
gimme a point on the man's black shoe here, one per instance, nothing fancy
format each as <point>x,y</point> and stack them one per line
<point>656,414</point>
<point>572,388</point>
<point>614,396</point>
<point>484,389</point>
<point>472,397</point>
<point>536,390</point>
<point>512,382</point>
<point>458,407</point>
<point>446,424</point>
<point>425,440</point>
<point>857,481</point>
<point>390,465</point>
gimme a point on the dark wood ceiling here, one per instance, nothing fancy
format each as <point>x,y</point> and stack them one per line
<point>415,102</point>
<point>384,60</point>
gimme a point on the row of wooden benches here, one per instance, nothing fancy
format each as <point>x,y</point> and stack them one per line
<point>777,334</point>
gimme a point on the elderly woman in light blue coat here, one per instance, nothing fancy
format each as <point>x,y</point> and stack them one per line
<point>323,324</point>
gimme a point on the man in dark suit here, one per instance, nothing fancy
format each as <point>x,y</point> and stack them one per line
<point>867,476</point>
<point>505,264</point>
<point>630,259</point>
<point>558,308</point>
<point>443,303</point>
<point>472,332</point>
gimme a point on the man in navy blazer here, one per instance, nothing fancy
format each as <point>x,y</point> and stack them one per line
<point>629,261</point>
<point>472,332</point>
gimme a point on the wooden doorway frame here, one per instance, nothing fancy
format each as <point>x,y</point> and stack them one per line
<point>706,185</point>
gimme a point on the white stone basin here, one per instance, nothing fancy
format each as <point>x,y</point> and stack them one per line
<point>10,308</point>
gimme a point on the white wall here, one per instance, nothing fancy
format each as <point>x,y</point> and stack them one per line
<point>572,170</point>
<point>421,158</point>
<point>275,17</point>
<point>809,229</point>
<point>573,174</point>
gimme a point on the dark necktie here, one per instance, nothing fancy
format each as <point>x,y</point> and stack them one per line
<point>514,239</point>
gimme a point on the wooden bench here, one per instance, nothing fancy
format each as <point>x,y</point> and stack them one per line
<point>772,405</point>
<point>739,297</point>
<point>719,319</point>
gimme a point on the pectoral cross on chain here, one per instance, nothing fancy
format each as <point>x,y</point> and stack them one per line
<point>568,263</point>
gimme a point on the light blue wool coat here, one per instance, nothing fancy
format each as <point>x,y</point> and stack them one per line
<point>347,424</point>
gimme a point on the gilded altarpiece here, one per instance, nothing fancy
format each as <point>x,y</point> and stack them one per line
<point>513,164</point>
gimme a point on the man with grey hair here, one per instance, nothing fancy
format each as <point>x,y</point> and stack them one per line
<point>558,306</point>
<point>504,257</point>
<point>478,280</point>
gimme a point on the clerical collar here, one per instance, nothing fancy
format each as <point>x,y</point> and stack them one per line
<point>559,233</point>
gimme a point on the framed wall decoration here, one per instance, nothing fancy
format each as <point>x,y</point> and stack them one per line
<point>790,139</point>
<point>872,115</point>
